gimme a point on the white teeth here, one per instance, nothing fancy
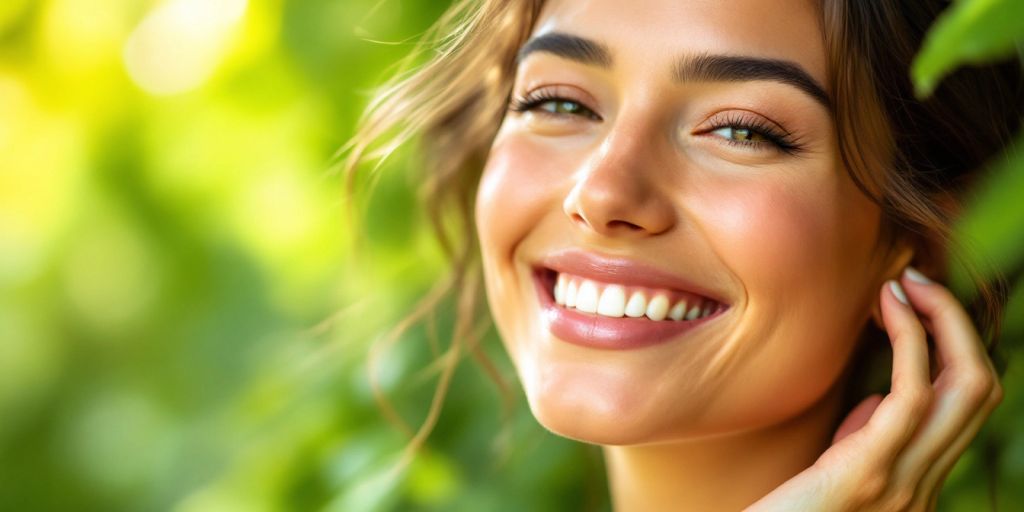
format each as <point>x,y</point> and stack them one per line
<point>657,308</point>
<point>677,311</point>
<point>570,294</point>
<point>613,301</point>
<point>586,297</point>
<point>694,311</point>
<point>560,290</point>
<point>637,305</point>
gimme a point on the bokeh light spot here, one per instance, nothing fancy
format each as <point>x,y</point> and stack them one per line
<point>111,278</point>
<point>179,44</point>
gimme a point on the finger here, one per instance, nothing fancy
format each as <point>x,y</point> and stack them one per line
<point>869,453</point>
<point>935,475</point>
<point>945,433</point>
<point>947,318</point>
<point>900,412</point>
<point>962,389</point>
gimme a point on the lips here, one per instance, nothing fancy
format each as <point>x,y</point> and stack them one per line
<point>691,304</point>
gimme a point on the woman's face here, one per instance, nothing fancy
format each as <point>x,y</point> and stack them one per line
<point>667,159</point>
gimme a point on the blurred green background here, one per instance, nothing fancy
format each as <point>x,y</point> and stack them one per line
<point>182,323</point>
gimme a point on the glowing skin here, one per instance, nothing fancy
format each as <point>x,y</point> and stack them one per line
<point>747,400</point>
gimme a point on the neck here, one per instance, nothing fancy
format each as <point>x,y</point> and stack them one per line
<point>721,473</point>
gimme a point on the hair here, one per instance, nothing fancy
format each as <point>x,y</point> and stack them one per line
<point>916,159</point>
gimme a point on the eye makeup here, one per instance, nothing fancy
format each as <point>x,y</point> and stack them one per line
<point>550,101</point>
<point>743,129</point>
<point>740,128</point>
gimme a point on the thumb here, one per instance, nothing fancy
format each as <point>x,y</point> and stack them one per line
<point>857,417</point>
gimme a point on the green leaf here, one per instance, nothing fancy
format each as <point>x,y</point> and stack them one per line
<point>970,32</point>
<point>993,224</point>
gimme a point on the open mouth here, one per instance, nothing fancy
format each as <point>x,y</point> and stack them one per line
<point>610,315</point>
<point>619,300</point>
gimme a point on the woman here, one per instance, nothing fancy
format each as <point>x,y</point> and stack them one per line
<point>695,221</point>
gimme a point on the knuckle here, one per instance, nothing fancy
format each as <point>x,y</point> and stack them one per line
<point>997,395</point>
<point>919,398</point>
<point>899,499</point>
<point>872,488</point>
<point>913,330</point>
<point>946,303</point>
<point>948,306</point>
<point>976,386</point>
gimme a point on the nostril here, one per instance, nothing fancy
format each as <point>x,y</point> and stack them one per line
<point>621,223</point>
<point>607,225</point>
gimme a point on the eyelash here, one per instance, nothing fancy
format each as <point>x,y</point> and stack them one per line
<point>781,140</point>
<point>533,100</point>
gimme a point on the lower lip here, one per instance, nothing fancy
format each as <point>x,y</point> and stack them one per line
<point>596,331</point>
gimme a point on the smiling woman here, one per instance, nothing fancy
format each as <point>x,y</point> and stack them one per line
<point>695,224</point>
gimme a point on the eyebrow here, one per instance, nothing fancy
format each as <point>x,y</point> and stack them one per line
<point>688,68</point>
<point>579,49</point>
<point>733,68</point>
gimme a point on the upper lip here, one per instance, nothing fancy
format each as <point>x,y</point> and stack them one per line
<point>624,271</point>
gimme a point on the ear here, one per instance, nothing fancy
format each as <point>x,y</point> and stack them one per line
<point>900,258</point>
<point>927,253</point>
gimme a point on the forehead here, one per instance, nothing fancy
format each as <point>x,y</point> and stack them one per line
<point>654,32</point>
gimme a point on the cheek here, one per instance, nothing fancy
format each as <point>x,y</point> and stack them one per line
<point>804,246</point>
<point>516,193</point>
<point>515,180</point>
<point>799,250</point>
<point>778,237</point>
<point>767,233</point>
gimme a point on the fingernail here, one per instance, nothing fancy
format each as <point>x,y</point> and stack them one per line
<point>914,275</point>
<point>898,292</point>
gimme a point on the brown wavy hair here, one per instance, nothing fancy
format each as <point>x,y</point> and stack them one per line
<point>915,158</point>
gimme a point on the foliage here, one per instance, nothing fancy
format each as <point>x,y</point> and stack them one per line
<point>183,324</point>
<point>973,32</point>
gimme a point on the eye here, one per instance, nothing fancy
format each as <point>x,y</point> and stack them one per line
<point>754,134</point>
<point>563,106</point>
<point>552,105</point>
<point>740,134</point>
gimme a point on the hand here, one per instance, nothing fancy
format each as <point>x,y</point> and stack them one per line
<point>894,453</point>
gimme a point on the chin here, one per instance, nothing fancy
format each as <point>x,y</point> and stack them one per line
<point>598,418</point>
<point>596,428</point>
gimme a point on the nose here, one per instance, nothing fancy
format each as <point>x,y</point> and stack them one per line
<point>617,193</point>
